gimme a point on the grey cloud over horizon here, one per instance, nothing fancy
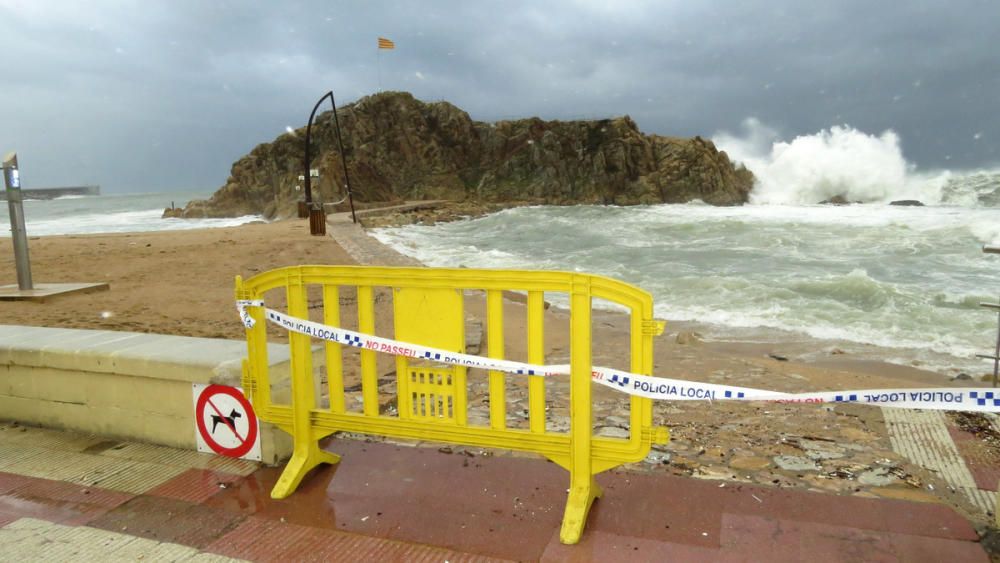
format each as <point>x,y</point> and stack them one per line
<point>143,96</point>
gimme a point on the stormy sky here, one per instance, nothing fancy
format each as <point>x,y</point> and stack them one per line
<point>157,95</point>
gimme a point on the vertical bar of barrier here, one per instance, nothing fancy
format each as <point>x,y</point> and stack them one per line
<point>404,397</point>
<point>494,329</point>
<point>582,489</point>
<point>460,400</point>
<point>641,341</point>
<point>260,395</point>
<point>369,368</point>
<point>536,355</point>
<point>303,392</point>
<point>334,354</point>
<point>305,450</point>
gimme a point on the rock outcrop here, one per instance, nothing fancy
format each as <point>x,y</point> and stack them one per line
<point>401,148</point>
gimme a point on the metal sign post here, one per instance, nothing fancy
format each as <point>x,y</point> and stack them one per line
<point>12,182</point>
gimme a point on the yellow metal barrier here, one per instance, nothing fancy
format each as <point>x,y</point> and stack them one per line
<point>428,309</point>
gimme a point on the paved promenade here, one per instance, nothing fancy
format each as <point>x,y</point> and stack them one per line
<point>72,497</point>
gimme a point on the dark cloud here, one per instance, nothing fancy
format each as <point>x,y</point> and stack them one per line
<point>151,96</point>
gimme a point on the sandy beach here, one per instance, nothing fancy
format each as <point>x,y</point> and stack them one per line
<point>182,283</point>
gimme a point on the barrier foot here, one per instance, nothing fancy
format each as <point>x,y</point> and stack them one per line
<point>298,466</point>
<point>577,507</point>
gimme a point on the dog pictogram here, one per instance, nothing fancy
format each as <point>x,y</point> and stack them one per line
<point>233,415</point>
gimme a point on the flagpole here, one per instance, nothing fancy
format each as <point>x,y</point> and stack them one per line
<point>378,64</point>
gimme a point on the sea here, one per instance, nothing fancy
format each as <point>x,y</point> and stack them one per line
<point>871,280</point>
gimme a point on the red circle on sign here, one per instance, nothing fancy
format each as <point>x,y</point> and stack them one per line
<point>203,402</point>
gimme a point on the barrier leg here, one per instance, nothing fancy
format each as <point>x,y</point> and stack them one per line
<point>581,498</point>
<point>305,452</point>
<point>304,458</point>
<point>582,487</point>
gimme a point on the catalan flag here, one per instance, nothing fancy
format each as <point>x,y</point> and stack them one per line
<point>384,43</point>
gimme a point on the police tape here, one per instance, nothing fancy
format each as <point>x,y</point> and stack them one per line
<point>660,388</point>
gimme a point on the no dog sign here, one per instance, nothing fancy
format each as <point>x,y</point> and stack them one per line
<point>225,423</point>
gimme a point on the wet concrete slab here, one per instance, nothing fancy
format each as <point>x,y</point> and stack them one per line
<point>420,495</point>
<point>57,501</point>
<point>169,520</point>
<point>46,291</point>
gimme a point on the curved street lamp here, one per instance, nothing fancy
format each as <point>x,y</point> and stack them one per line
<point>343,157</point>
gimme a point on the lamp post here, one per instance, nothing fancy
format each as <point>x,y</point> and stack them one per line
<point>318,210</point>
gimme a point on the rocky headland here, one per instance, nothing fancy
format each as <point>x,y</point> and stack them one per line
<point>400,148</point>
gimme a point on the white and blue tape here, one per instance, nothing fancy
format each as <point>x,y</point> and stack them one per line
<point>945,398</point>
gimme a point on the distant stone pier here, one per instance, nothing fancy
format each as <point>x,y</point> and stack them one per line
<point>52,193</point>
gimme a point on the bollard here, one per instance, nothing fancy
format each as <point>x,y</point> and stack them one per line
<point>12,181</point>
<point>317,219</point>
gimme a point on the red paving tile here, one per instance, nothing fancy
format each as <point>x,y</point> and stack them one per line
<point>195,485</point>
<point>262,539</point>
<point>59,502</point>
<point>602,546</point>
<point>170,520</point>
<point>11,481</point>
<point>786,540</point>
<point>983,461</point>
<point>987,478</point>
<point>958,435</point>
<point>645,505</point>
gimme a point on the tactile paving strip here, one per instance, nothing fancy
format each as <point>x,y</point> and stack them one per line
<point>922,437</point>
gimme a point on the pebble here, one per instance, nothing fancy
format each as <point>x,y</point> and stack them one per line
<point>878,477</point>
<point>795,463</point>
<point>750,463</point>
<point>657,458</point>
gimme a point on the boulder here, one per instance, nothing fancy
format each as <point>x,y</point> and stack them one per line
<point>907,203</point>
<point>835,200</point>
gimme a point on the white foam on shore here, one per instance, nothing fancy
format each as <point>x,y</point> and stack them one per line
<point>114,213</point>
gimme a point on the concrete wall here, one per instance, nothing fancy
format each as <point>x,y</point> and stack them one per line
<point>122,385</point>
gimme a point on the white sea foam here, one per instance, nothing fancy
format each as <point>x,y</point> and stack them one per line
<point>115,213</point>
<point>843,161</point>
